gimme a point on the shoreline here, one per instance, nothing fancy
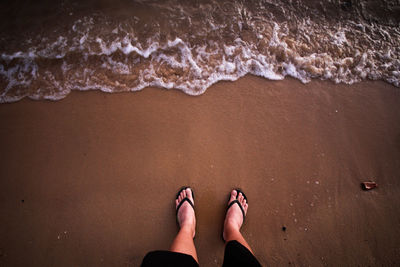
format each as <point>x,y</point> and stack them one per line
<point>85,165</point>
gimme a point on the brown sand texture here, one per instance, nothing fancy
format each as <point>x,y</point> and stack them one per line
<point>91,180</point>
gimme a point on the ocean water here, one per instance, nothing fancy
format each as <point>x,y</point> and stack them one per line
<point>49,48</point>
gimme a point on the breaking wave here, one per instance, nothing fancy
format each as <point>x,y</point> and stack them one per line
<point>187,46</point>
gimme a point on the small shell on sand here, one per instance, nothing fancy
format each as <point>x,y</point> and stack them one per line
<point>368,185</point>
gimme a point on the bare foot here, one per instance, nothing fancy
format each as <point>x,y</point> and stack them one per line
<point>186,216</point>
<point>234,216</point>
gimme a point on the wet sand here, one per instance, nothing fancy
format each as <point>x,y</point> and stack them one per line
<point>91,180</point>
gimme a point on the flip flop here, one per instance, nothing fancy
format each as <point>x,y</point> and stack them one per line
<point>236,201</point>
<point>183,200</point>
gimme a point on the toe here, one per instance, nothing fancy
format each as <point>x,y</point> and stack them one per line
<point>243,200</point>
<point>245,206</point>
<point>189,194</point>
<point>233,196</point>
<point>183,194</point>
<point>240,198</point>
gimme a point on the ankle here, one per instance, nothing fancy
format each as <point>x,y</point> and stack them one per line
<point>187,229</point>
<point>231,231</point>
<point>232,226</point>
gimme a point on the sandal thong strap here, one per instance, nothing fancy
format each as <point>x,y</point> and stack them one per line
<point>240,206</point>
<point>183,201</point>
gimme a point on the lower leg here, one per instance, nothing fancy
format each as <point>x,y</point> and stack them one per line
<point>183,243</point>
<point>230,233</point>
<point>234,220</point>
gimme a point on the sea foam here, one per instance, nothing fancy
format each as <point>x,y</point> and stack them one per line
<point>192,47</point>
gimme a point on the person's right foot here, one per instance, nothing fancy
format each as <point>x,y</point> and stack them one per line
<point>186,216</point>
<point>234,216</point>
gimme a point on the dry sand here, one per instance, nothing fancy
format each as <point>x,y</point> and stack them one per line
<point>91,180</point>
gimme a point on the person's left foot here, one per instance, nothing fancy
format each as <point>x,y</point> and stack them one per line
<point>186,216</point>
<point>235,215</point>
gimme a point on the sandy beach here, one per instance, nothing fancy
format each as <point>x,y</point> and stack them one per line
<point>90,180</point>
